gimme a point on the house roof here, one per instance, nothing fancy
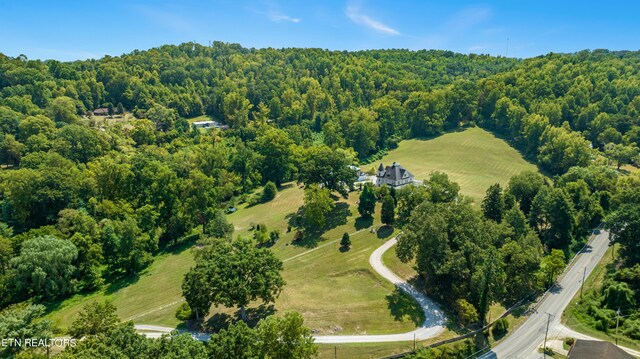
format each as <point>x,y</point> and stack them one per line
<point>395,172</point>
<point>101,110</point>
<point>196,123</point>
<point>594,349</point>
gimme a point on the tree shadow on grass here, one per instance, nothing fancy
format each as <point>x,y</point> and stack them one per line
<point>121,283</point>
<point>182,245</point>
<point>117,281</point>
<point>403,307</point>
<point>255,314</point>
<point>220,321</point>
<point>384,232</point>
<point>286,186</point>
<point>217,322</point>
<point>362,223</point>
<point>337,217</point>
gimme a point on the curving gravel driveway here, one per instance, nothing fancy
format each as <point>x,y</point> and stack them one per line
<point>434,317</point>
<point>432,326</point>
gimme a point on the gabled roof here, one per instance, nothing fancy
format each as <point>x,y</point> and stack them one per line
<point>595,349</point>
<point>395,172</point>
<point>101,110</point>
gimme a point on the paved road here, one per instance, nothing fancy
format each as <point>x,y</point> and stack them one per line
<point>525,341</point>
<point>432,326</point>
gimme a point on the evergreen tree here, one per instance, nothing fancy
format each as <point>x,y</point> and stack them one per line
<point>346,240</point>
<point>367,204</point>
<point>388,210</point>
<point>269,192</point>
<point>493,203</point>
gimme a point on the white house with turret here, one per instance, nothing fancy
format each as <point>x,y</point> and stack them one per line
<point>393,176</point>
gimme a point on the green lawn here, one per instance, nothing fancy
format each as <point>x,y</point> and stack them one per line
<point>405,271</point>
<point>364,307</point>
<point>376,350</point>
<point>335,291</point>
<point>474,158</point>
<point>157,286</point>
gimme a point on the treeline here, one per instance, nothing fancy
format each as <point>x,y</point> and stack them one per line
<point>512,248</point>
<point>97,332</point>
<point>615,302</point>
<point>83,201</point>
<point>365,100</point>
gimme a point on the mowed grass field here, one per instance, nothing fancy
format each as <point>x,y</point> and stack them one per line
<point>474,158</point>
<point>337,292</point>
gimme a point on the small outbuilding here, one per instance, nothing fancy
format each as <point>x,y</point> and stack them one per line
<point>360,176</point>
<point>595,349</point>
<point>209,124</point>
<point>102,111</point>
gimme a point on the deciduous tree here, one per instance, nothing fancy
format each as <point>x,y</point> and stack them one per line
<point>317,205</point>
<point>286,337</point>
<point>232,273</point>
<point>45,268</point>
<point>493,203</point>
<point>95,318</point>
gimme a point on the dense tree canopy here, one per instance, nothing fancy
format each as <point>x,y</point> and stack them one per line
<point>232,273</point>
<point>115,191</point>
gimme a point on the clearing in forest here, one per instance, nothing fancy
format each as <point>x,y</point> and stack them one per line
<point>474,158</point>
<point>337,292</point>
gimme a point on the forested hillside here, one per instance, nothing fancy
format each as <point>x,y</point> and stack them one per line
<point>86,199</point>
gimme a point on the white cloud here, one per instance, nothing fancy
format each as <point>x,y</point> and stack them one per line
<point>457,26</point>
<point>277,16</point>
<point>354,14</point>
<point>274,14</point>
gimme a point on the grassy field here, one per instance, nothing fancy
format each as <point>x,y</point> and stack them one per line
<point>316,281</point>
<point>474,158</point>
<point>337,292</point>
<point>376,350</point>
<point>403,270</point>
<point>156,286</point>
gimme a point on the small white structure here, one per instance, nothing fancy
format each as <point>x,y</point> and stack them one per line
<point>394,175</point>
<point>209,124</point>
<point>360,176</point>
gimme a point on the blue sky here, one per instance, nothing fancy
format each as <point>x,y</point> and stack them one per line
<point>80,29</point>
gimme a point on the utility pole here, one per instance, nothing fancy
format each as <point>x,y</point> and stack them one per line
<point>546,332</point>
<point>414,342</point>
<point>617,322</point>
<point>507,53</point>
<point>583,276</point>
